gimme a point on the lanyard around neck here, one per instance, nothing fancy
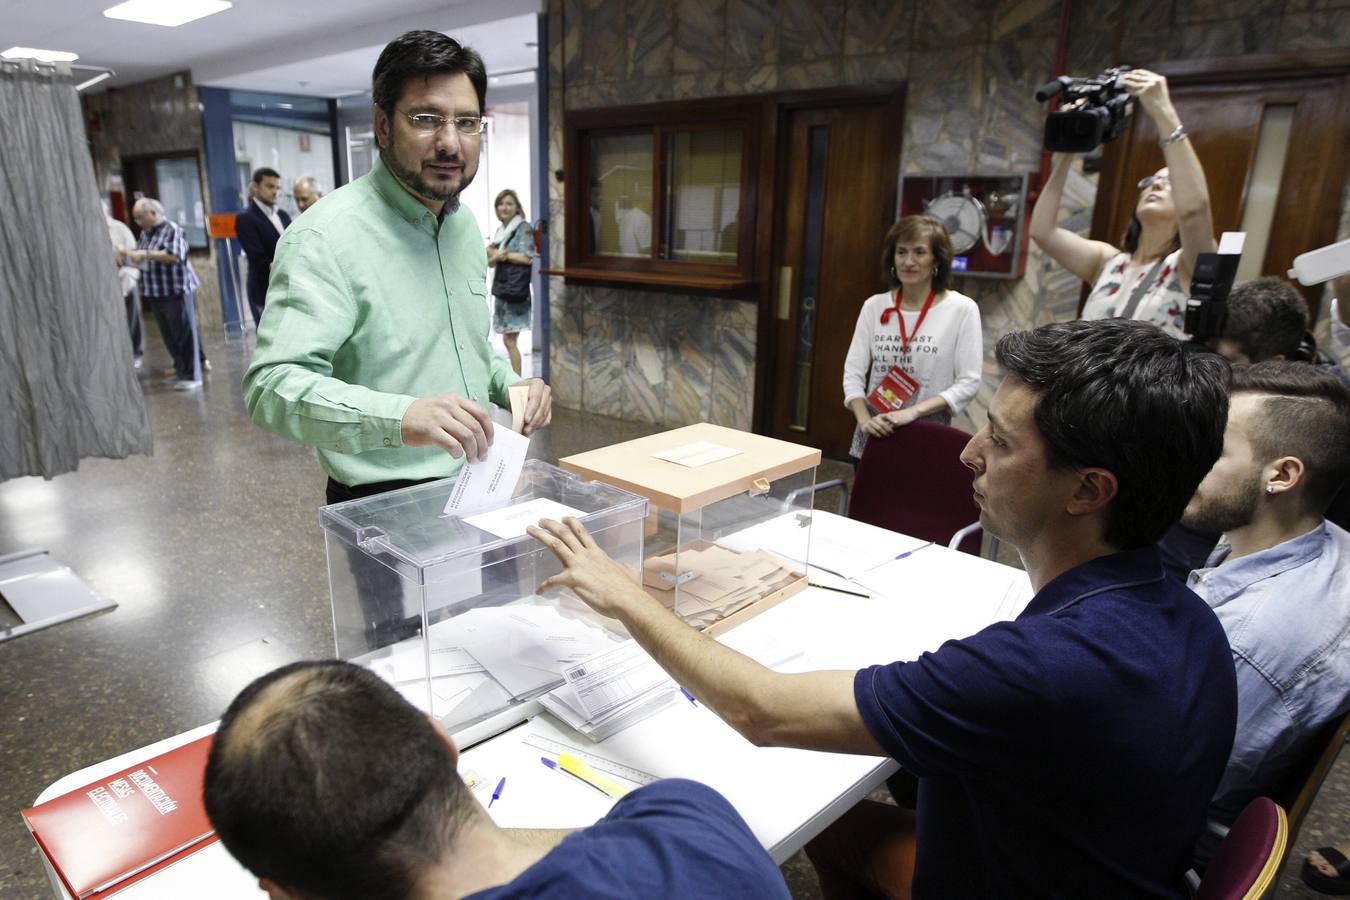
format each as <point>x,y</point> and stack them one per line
<point>904,337</point>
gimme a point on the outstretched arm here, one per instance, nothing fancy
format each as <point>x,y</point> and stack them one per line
<point>812,710</point>
<point>1190,193</point>
<point>1084,258</point>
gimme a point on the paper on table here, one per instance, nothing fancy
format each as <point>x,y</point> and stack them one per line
<point>613,677</point>
<point>525,646</point>
<point>511,521</point>
<point>488,483</point>
<point>699,453</point>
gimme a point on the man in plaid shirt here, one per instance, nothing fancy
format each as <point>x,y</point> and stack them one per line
<point>170,284</point>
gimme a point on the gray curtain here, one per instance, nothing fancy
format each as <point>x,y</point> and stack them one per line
<point>67,387</point>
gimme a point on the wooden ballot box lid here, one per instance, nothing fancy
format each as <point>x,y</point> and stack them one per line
<point>680,489</point>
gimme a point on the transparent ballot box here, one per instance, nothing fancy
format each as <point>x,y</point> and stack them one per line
<point>444,607</point>
<point>728,532</point>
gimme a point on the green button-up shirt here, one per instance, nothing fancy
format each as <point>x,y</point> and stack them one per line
<point>373,303</point>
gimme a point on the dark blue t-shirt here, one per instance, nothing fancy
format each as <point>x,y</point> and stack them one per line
<point>1071,753</point>
<point>674,838</point>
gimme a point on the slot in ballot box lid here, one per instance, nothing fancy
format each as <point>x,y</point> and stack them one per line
<point>679,488</point>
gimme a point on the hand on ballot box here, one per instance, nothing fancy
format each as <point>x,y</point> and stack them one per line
<point>602,584</point>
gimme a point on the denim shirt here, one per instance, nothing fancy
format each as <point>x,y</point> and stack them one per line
<point>1287,614</point>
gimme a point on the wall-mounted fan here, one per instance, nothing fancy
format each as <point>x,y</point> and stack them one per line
<point>983,214</point>
<point>967,222</point>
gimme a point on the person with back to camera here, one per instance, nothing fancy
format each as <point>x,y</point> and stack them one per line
<point>511,253</point>
<point>930,332</point>
<point>1149,276</point>
<point>326,784</point>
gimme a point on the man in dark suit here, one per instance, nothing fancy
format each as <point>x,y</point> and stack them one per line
<point>259,226</point>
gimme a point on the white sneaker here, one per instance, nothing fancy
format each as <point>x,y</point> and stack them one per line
<point>137,362</point>
<point>186,385</point>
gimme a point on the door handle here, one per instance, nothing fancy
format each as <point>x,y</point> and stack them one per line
<point>784,293</point>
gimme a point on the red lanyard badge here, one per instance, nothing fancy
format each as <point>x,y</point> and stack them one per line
<point>904,336</point>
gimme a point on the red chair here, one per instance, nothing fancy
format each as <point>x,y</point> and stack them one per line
<point>1245,866</point>
<point>914,482</point>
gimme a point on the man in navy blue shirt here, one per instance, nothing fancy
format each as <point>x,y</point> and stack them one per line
<point>325,783</point>
<point>1071,752</point>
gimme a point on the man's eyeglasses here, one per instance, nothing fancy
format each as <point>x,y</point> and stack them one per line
<point>1158,181</point>
<point>427,123</point>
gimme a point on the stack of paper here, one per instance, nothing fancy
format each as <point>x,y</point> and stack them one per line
<point>713,582</point>
<point>484,659</point>
<point>611,690</point>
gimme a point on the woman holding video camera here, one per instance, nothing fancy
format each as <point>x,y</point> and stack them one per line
<point>1148,277</point>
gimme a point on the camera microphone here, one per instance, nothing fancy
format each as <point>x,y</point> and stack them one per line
<point>1052,88</point>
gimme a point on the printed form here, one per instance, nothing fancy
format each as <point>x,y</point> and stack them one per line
<point>488,483</point>
<point>610,679</point>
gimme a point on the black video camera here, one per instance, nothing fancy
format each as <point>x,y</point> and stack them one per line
<point>1207,306</point>
<point>1100,118</point>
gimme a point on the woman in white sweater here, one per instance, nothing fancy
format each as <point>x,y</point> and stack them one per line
<point>929,331</point>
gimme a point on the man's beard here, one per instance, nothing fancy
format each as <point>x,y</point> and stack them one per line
<point>414,181</point>
<point>1227,511</point>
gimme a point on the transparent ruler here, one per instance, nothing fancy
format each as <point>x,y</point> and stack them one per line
<point>609,767</point>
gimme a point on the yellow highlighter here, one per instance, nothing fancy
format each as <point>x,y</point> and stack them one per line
<point>573,766</point>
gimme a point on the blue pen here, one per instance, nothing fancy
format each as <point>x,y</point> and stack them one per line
<point>689,696</point>
<point>497,793</point>
<point>915,550</point>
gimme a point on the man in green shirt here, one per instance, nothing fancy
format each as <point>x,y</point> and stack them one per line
<point>374,345</point>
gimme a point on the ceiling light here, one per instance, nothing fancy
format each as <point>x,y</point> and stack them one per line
<point>101,76</point>
<point>169,13</point>
<point>39,55</point>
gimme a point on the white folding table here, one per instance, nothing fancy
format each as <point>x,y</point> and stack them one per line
<point>787,796</point>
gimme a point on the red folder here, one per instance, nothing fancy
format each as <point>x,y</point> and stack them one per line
<point>108,835</point>
<point>895,389</point>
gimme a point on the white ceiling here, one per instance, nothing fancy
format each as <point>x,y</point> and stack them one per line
<point>323,48</point>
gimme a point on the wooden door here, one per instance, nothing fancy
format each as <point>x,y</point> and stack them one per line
<point>839,168</point>
<point>1226,105</point>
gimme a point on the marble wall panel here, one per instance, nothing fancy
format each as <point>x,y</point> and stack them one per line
<point>605,344</point>
<point>567,351</point>
<point>1229,37</point>
<point>691,328</point>
<point>754,80</point>
<point>752,33</point>
<point>733,382</point>
<point>646,354</point>
<point>810,75</point>
<point>700,35</point>
<point>1140,48</point>
<point>573,36</point>
<point>1315,5</point>
<point>882,68</point>
<point>1092,38</point>
<point>1026,19</point>
<point>952,24</point>
<point>650,40</point>
<point>1224,10</point>
<point>604,48</point>
<point>878,26</point>
<point>1011,140</point>
<point>1315,31</point>
<point>810,29</point>
<point>701,84</point>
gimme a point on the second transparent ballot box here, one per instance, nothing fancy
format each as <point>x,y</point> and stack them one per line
<point>444,607</point>
<point>729,529</point>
